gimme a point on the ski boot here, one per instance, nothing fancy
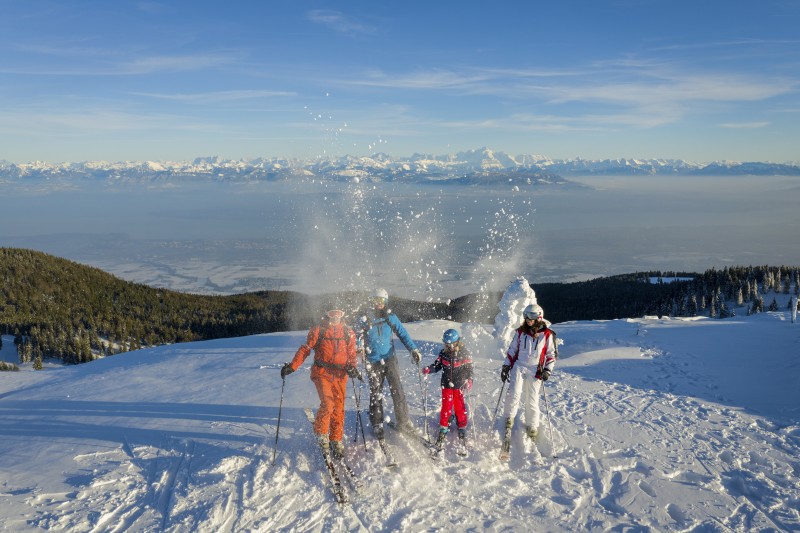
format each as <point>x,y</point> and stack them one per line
<point>532,433</point>
<point>505,449</point>
<point>439,444</point>
<point>461,449</point>
<point>337,450</point>
<point>325,446</point>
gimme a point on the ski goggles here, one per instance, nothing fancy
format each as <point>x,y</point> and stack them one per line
<point>378,300</point>
<point>531,315</point>
<point>335,313</point>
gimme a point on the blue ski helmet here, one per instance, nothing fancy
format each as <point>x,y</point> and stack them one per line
<point>450,336</point>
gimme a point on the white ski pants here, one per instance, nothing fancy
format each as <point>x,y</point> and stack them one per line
<point>524,387</point>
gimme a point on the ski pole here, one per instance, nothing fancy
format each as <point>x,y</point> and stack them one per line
<point>359,421</point>
<point>358,410</point>
<point>471,419</point>
<point>424,403</point>
<point>278,429</point>
<point>549,423</point>
<point>497,407</point>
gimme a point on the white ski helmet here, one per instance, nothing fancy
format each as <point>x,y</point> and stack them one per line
<point>381,293</point>
<point>533,311</point>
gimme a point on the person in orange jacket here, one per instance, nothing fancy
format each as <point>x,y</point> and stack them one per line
<point>334,345</point>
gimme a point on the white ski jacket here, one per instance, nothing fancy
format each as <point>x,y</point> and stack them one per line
<point>534,352</point>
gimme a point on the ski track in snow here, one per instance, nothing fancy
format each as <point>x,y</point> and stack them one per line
<point>629,449</point>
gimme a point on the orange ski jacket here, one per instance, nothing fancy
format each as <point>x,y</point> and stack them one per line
<point>334,347</point>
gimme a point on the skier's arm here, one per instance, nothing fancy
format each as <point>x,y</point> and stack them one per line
<point>401,333</point>
<point>513,350</point>
<point>550,354</point>
<point>434,367</point>
<point>352,360</point>
<point>304,350</point>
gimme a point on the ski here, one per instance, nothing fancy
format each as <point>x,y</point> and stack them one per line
<point>505,451</point>
<point>351,476</point>
<point>387,454</point>
<point>339,492</point>
<point>430,449</point>
<point>461,450</point>
<point>417,436</point>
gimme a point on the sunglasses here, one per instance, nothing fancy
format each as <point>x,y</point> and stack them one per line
<point>335,313</point>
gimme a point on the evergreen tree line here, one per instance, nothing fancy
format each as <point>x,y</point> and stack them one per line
<point>60,309</point>
<point>716,293</point>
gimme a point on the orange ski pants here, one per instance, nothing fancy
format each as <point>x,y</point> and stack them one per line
<point>331,387</point>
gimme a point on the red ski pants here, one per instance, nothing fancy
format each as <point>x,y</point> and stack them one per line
<point>331,387</point>
<point>453,399</point>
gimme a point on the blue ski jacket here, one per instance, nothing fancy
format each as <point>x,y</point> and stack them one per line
<point>376,332</point>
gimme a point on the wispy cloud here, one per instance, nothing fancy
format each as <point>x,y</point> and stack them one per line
<point>219,96</point>
<point>153,64</point>
<point>77,123</point>
<point>727,44</point>
<point>423,79</point>
<point>619,93</point>
<point>745,125</point>
<point>339,22</point>
<point>151,7</point>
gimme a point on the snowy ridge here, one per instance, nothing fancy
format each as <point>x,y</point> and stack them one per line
<point>417,168</point>
<point>658,424</point>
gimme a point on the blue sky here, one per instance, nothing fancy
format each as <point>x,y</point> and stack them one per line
<point>174,80</point>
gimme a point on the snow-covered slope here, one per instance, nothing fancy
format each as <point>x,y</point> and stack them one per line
<point>657,425</point>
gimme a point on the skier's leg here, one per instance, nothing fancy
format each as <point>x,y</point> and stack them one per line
<point>396,390</point>
<point>322,419</point>
<point>376,374</point>
<point>532,411</point>
<point>447,407</point>
<point>460,408</point>
<point>514,394</point>
<point>338,390</point>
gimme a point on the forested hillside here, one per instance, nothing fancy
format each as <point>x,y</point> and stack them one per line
<point>61,309</point>
<point>57,308</point>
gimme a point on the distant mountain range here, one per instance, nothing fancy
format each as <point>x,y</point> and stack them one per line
<point>482,166</point>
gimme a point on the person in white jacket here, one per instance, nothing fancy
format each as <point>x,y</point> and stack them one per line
<point>532,357</point>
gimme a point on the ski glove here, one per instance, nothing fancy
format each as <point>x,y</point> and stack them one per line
<point>504,373</point>
<point>426,370</point>
<point>354,373</point>
<point>416,356</point>
<point>545,375</point>
<point>286,370</point>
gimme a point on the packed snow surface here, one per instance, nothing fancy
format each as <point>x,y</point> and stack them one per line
<point>654,425</point>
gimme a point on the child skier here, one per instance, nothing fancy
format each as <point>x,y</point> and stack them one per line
<point>456,363</point>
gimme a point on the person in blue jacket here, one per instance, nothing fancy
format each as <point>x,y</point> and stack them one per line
<point>374,333</point>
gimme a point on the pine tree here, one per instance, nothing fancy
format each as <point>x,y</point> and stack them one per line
<point>692,307</point>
